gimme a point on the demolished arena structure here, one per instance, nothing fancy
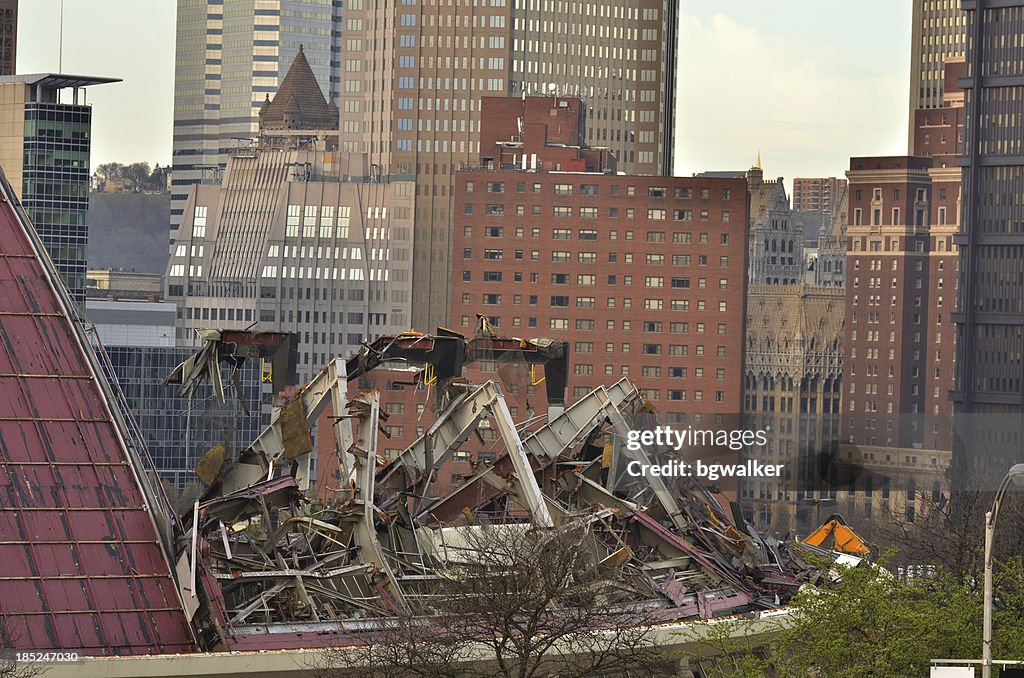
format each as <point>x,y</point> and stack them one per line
<point>274,568</point>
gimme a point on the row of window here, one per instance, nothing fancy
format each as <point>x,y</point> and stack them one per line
<point>562,301</point>
<point>566,211</point>
<point>565,256</point>
<point>682,193</point>
<point>678,237</point>
<point>588,325</point>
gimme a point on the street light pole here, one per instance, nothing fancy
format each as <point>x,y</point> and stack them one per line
<point>1014,475</point>
<point>986,634</point>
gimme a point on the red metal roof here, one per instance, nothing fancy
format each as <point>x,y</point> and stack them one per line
<point>81,566</point>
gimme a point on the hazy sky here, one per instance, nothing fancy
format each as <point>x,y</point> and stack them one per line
<point>809,83</point>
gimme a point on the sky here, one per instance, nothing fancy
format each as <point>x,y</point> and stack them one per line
<point>128,39</point>
<point>808,83</point>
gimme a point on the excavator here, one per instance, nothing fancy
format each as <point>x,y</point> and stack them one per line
<point>845,539</point>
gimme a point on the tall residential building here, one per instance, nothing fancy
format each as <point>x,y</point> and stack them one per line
<point>901,272</point>
<point>819,194</point>
<point>938,33</point>
<point>989,388</point>
<point>229,55</point>
<point>298,237</point>
<point>8,36</point>
<point>414,73</point>
<point>644,276</point>
<point>44,149</point>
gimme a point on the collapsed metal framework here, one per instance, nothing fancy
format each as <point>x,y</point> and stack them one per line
<point>271,568</point>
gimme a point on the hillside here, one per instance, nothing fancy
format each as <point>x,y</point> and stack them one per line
<point>129,231</point>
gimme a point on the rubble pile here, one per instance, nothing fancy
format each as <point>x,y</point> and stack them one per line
<point>272,566</point>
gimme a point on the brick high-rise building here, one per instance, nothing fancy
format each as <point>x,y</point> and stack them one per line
<point>414,74</point>
<point>229,55</point>
<point>900,292</point>
<point>939,34</point>
<point>644,276</point>
<point>989,387</point>
<point>819,194</point>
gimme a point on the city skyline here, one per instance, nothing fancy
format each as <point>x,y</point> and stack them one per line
<point>795,87</point>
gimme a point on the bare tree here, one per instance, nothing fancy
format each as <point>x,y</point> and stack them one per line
<point>520,603</point>
<point>412,644</point>
<point>10,667</point>
<point>948,532</point>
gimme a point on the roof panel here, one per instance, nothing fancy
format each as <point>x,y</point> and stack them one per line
<point>83,568</point>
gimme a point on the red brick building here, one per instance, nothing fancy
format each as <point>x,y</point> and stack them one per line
<point>819,194</point>
<point>644,276</point>
<point>900,296</point>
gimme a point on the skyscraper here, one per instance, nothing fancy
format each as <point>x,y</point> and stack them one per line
<point>989,387</point>
<point>230,54</point>
<point>938,34</point>
<point>8,36</point>
<point>44,148</point>
<point>414,73</point>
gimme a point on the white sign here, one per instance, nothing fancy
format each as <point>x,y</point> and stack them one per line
<point>952,672</point>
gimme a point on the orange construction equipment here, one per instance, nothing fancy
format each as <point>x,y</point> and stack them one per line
<point>846,539</point>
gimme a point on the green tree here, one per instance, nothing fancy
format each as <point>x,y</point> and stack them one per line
<point>110,170</point>
<point>866,621</point>
<point>138,173</point>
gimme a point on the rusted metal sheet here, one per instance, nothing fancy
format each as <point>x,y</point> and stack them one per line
<point>295,430</point>
<point>81,564</point>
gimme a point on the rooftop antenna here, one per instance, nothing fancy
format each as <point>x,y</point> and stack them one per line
<point>60,41</point>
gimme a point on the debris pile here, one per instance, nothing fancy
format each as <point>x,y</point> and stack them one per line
<point>273,568</point>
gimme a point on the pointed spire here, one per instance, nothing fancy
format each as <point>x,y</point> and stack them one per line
<point>299,102</point>
<point>758,163</point>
